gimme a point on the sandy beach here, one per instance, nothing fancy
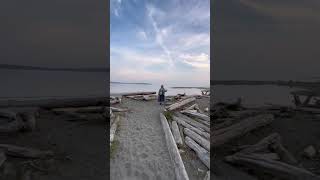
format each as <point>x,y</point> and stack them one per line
<point>142,152</point>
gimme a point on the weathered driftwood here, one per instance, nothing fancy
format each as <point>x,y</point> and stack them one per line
<point>197,115</point>
<point>224,135</point>
<point>115,101</point>
<point>23,152</point>
<point>271,142</point>
<point>276,168</point>
<point>176,133</point>
<point>181,132</point>
<point>139,93</point>
<point>203,154</point>
<point>207,177</point>
<point>149,97</point>
<point>180,171</point>
<point>3,158</point>
<point>193,122</point>
<point>113,128</point>
<point>114,109</point>
<point>197,130</point>
<point>199,139</point>
<point>56,103</point>
<point>181,103</point>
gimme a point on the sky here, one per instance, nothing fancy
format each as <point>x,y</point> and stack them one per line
<point>266,40</point>
<point>160,41</point>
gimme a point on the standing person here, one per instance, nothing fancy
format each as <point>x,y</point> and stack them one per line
<point>161,94</point>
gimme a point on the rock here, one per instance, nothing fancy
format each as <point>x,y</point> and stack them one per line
<point>309,151</point>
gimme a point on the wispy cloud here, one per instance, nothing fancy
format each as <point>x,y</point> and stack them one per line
<point>162,41</point>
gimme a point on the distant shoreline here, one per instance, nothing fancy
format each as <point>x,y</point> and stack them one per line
<point>112,82</point>
<point>278,83</point>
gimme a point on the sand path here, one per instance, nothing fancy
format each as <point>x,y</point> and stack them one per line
<point>142,152</point>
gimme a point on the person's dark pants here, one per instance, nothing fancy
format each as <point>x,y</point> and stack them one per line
<point>161,99</point>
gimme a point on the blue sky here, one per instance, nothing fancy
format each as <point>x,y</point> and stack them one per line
<point>160,41</point>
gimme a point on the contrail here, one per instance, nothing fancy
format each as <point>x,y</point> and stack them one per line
<point>23,67</point>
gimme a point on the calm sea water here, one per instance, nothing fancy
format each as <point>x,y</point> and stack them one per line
<point>116,88</point>
<point>43,84</point>
<point>254,95</point>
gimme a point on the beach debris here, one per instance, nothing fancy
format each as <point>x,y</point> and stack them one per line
<point>199,139</point>
<point>237,130</point>
<point>139,93</point>
<point>197,115</point>
<point>180,171</point>
<point>310,151</point>
<point>114,109</point>
<point>202,153</point>
<point>207,177</point>
<point>206,109</point>
<point>24,152</point>
<point>113,128</point>
<point>199,131</point>
<point>180,104</point>
<point>274,167</point>
<point>176,133</point>
<point>193,122</point>
<point>149,97</point>
<point>115,101</point>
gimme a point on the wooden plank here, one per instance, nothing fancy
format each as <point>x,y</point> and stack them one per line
<point>113,129</point>
<point>193,122</point>
<point>180,171</point>
<point>197,115</point>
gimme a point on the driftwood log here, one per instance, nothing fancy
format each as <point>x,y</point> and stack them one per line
<point>23,152</point>
<point>193,122</point>
<point>57,103</point>
<point>276,168</point>
<point>207,177</point>
<point>114,109</point>
<point>180,171</point>
<point>196,137</point>
<point>197,130</point>
<point>179,104</point>
<point>113,128</point>
<point>176,133</point>
<point>224,135</point>
<point>271,142</point>
<point>203,154</point>
<point>197,115</point>
<point>139,93</point>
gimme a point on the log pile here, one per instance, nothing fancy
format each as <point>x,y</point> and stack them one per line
<point>268,158</point>
<point>190,128</point>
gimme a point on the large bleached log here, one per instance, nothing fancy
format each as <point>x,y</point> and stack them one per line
<point>193,122</point>
<point>149,97</point>
<point>224,135</point>
<point>23,152</point>
<point>207,177</point>
<point>196,137</point>
<point>271,142</point>
<point>113,128</point>
<point>203,154</point>
<point>197,115</point>
<point>56,103</point>
<point>197,130</point>
<point>180,171</point>
<point>176,133</point>
<point>181,103</point>
<point>276,168</point>
<point>114,109</point>
<point>139,93</point>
